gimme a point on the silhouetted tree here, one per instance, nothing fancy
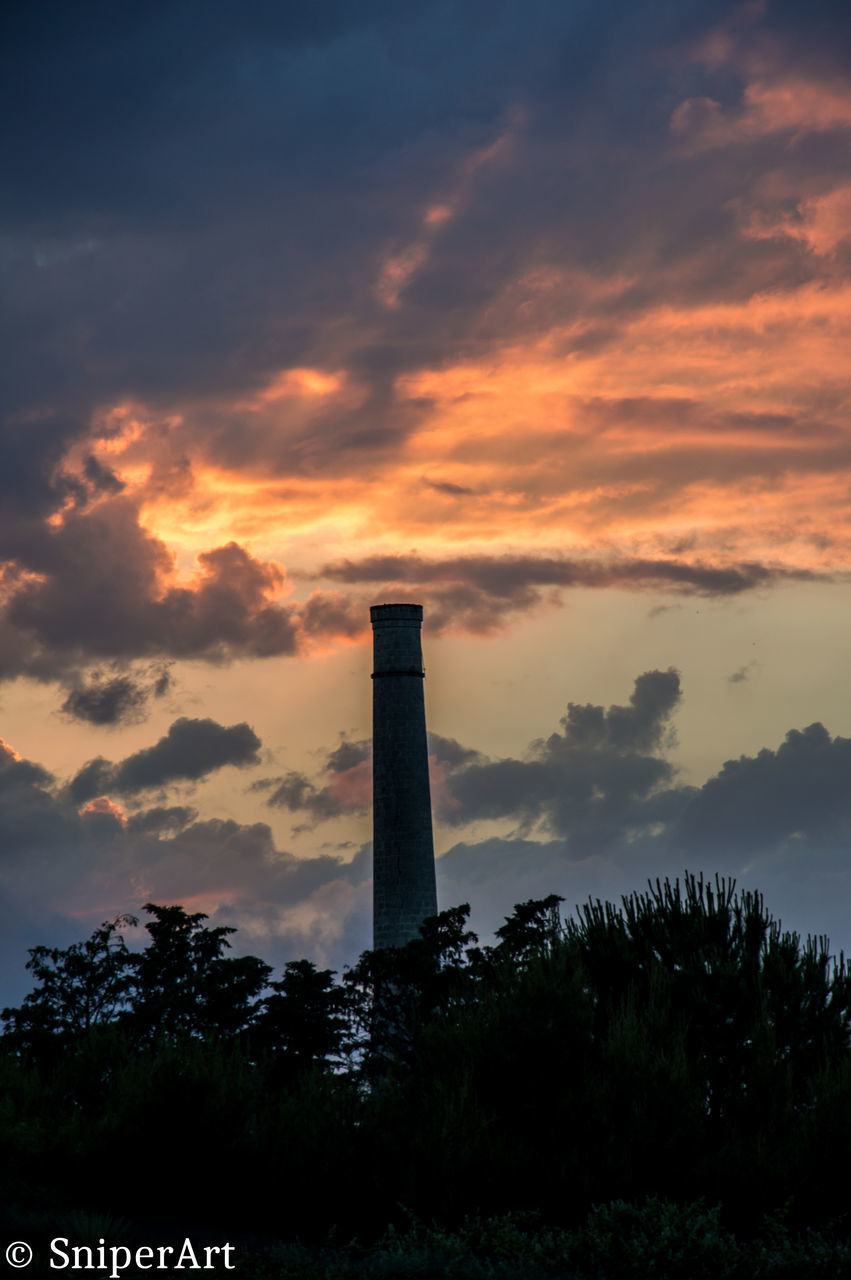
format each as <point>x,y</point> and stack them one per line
<point>533,929</point>
<point>79,988</point>
<point>678,1045</point>
<point>725,969</point>
<point>304,1024</point>
<point>186,986</point>
<point>181,984</point>
<point>395,991</point>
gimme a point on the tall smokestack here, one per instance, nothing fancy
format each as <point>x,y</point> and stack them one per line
<point>404,891</point>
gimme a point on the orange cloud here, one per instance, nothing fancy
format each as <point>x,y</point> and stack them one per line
<point>821,223</point>
<point>103,805</point>
<point>626,408</point>
<point>681,410</point>
<point>295,383</point>
<point>782,104</point>
<point>8,754</point>
<point>591,421</point>
<point>724,421</point>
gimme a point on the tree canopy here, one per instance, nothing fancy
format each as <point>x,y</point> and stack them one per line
<point>680,1044</point>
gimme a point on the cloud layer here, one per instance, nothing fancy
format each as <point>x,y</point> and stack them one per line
<point>567,286</point>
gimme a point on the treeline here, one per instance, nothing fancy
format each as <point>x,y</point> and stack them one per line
<point>680,1046</point>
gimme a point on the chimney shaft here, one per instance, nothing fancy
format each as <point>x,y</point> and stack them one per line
<point>404,890</point>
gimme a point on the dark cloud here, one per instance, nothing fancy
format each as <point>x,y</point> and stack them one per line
<point>162,821</point>
<point>343,784</point>
<point>597,781</point>
<point>601,786</point>
<point>143,201</point>
<point>798,793</point>
<point>63,870</point>
<point>640,727</point>
<point>101,479</point>
<point>31,448</point>
<point>35,828</point>
<point>118,700</point>
<point>779,821</point>
<point>98,587</point>
<point>298,794</point>
<point>95,778</point>
<point>16,773</point>
<point>446,486</point>
<point>504,575</point>
<point>190,750</point>
<point>332,613</point>
<point>160,191</point>
<point>348,754</point>
<point>162,683</point>
<point>480,592</point>
<point>343,787</point>
<point>450,752</point>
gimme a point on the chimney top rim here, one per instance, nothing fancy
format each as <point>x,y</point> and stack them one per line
<point>396,612</point>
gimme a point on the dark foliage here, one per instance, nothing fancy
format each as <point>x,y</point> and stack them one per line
<point>681,1046</point>
<point>304,1024</point>
<point>185,986</point>
<point>395,993</point>
<point>83,987</point>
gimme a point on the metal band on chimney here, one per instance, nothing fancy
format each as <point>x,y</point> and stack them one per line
<point>376,675</point>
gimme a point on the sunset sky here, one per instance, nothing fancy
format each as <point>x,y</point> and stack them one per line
<point>536,313</point>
